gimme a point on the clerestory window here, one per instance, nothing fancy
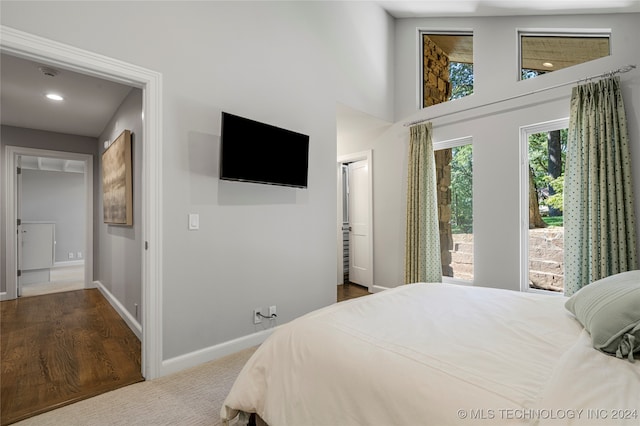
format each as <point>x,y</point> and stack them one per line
<point>447,66</point>
<point>545,52</point>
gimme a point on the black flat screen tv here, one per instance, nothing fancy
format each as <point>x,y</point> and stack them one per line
<point>256,152</point>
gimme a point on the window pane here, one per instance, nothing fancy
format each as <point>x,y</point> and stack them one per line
<point>546,231</point>
<point>540,54</point>
<point>454,177</point>
<point>447,67</point>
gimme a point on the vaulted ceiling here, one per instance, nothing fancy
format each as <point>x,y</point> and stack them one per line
<point>444,8</point>
<point>90,102</point>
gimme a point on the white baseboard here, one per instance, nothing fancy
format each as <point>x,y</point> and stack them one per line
<point>68,263</point>
<point>133,324</point>
<point>378,289</point>
<point>211,353</point>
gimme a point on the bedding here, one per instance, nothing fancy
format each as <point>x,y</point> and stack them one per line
<point>436,354</point>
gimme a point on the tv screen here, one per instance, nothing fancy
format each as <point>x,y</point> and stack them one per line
<point>256,152</point>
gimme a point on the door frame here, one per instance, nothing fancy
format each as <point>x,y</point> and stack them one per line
<point>40,49</point>
<point>11,214</point>
<point>344,159</point>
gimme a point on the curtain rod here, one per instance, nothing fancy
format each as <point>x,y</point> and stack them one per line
<point>621,70</point>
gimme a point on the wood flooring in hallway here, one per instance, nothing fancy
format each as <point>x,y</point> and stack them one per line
<point>60,348</point>
<point>351,291</point>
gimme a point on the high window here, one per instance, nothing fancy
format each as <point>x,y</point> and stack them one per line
<point>447,66</point>
<point>544,52</point>
<point>542,176</point>
<point>454,180</point>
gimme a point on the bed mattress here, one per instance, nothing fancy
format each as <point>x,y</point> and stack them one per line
<point>436,354</point>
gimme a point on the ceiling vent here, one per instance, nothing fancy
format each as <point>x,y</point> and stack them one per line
<point>49,72</point>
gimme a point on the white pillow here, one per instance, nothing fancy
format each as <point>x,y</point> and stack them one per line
<point>609,309</point>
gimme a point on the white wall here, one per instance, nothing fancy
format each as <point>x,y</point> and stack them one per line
<point>51,196</point>
<point>495,132</point>
<point>284,63</point>
<point>118,249</point>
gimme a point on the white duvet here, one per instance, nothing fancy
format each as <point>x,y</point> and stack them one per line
<point>436,354</point>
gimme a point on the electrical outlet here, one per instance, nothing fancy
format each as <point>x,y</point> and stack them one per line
<point>272,311</point>
<point>257,318</point>
<point>70,255</point>
<point>79,255</point>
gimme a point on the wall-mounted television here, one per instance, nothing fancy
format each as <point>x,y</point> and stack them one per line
<point>256,152</point>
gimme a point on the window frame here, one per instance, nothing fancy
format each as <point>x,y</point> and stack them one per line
<point>525,132</point>
<point>557,32</point>
<point>453,143</point>
<point>420,55</point>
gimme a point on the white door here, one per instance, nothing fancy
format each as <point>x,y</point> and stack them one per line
<point>359,250</point>
<point>38,241</point>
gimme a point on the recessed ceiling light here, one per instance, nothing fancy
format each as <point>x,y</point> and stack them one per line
<point>547,64</point>
<point>54,97</point>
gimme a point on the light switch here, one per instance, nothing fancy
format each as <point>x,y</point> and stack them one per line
<point>194,221</point>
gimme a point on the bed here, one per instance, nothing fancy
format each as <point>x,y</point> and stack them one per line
<point>437,354</point>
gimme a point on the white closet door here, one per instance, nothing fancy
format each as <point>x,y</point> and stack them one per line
<point>37,245</point>
<point>359,261</point>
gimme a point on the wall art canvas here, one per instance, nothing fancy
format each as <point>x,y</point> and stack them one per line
<point>117,191</point>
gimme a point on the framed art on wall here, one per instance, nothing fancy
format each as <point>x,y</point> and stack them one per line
<point>117,191</point>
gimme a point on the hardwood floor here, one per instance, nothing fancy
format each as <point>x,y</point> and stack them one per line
<point>351,291</point>
<point>59,348</point>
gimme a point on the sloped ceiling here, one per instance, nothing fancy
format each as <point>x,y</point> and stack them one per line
<point>443,8</point>
<point>90,102</point>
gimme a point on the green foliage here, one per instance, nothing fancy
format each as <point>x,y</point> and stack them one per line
<point>462,189</point>
<point>554,221</point>
<point>556,200</point>
<point>527,74</point>
<point>461,79</point>
<point>539,161</point>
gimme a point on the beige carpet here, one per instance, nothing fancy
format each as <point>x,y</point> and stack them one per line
<point>190,397</point>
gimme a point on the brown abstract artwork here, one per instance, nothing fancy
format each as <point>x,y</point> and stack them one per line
<point>117,193</point>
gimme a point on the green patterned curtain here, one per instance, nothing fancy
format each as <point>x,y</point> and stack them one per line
<point>422,250</point>
<point>599,219</point>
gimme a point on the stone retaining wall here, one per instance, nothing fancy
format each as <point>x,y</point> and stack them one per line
<point>546,257</point>
<point>462,256</point>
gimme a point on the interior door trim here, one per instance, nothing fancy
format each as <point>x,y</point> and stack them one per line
<point>36,48</point>
<point>358,156</point>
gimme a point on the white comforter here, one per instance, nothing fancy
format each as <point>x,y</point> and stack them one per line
<point>436,354</point>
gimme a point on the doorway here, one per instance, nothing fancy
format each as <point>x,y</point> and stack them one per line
<point>29,46</point>
<point>14,232</point>
<point>52,203</point>
<point>355,221</point>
